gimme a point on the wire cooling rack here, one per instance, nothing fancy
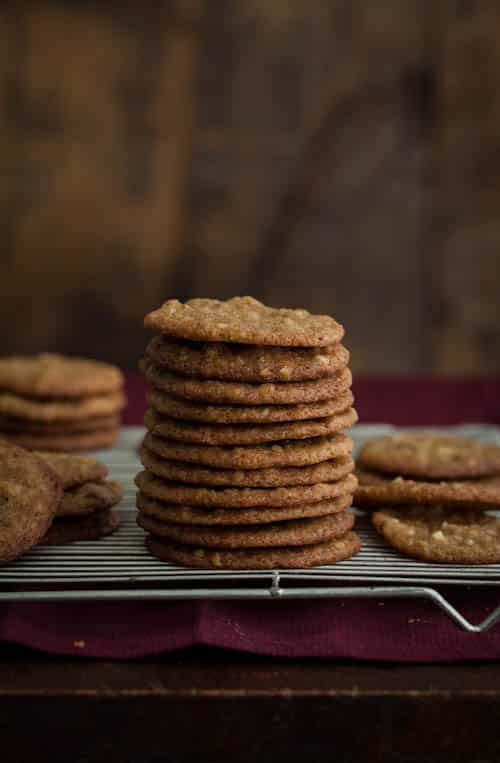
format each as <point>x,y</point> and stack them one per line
<point>120,567</point>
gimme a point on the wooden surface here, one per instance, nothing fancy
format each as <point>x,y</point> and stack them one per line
<point>345,159</point>
<point>210,706</point>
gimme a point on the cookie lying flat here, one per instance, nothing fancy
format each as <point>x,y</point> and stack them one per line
<point>240,393</point>
<point>49,429</point>
<point>90,497</point>
<point>246,363</point>
<point>50,375</point>
<point>376,490</point>
<point>243,319</point>
<point>284,453</point>
<point>191,515</point>
<point>435,534</point>
<point>293,532</point>
<point>178,471</point>
<point>73,529</point>
<point>297,557</point>
<point>234,498</point>
<point>61,410</point>
<point>29,496</point>
<point>430,456</point>
<point>70,442</point>
<point>74,470</point>
<point>246,434</point>
<point>176,408</point>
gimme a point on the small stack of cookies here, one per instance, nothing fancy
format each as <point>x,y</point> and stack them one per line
<point>53,402</point>
<point>430,494</point>
<point>246,462</point>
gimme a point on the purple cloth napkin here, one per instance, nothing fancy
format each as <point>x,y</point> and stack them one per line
<point>389,630</point>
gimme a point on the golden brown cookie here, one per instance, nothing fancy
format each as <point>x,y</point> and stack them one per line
<point>178,471</point>
<point>90,497</point>
<point>61,410</point>
<point>176,408</point>
<point>29,497</point>
<point>430,456</point>
<point>240,393</point>
<point>70,443</point>
<point>73,529</point>
<point>50,375</point>
<point>292,532</point>
<point>246,363</point>
<point>234,498</point>
<point>377,490</point>
<point>192,515</point>
<point>74,470</point>
<point>49,429</point>
<point>437,534</point>
<point>284,453</point>
<point>295,557</point>
<point>245,320</point>
<point>246,434</point>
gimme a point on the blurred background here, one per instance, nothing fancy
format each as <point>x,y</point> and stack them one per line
<point>343,156</point>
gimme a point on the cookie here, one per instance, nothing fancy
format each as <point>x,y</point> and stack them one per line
<point>292,532</point>
<point>241,434</point>
<point>71,442</point>
<point>178,471</point>
<point>430,456</point>
<point>91,527</point>
<point>71,409</point>
<point>74,470</point>
<point>190,515</point>
<point>295,557</point>
<point>284,453</point>
<point>49,375</point>
<point>246,363</point>
<point>234,498</point>
<point>29,496</point>
<point>240,393</point>
<point>245,320</point>
<point>29,426</point>
<point>166,404</point>
<point>378,490</point>
<point>90,497</point>
<point>436,534</point>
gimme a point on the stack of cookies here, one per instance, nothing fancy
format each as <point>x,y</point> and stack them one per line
<point>52,402</point>
<point>246,464</point>
<point>430,494</point>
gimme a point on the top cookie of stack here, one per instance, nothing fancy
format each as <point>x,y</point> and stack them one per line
<point>53,402</point>
<point>246,462</point>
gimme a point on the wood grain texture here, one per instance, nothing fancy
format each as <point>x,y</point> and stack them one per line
<point>344,160</point>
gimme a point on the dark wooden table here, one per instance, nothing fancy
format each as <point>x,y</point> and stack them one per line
<point>209,706</point>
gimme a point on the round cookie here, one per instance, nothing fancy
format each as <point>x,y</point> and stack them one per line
<point>292,532</point>
<point>284,453</point>
<point>70,442</point>
<point>74,470</point>
<point>192,515</point>
<point>246,363</point>
<point>241,434</point>
<point>29,426</point>
<point>178,471</point>
<point>29,496</point>
<point>436,534</point>
<point>89,498</point>
<point>430,456</point>
<point>377,490</point>
<point>74,529</point>
<point>295,557</point>
<point>234,498</point>
<point>240,393</point>
<point>245,320</point>
<point>50,375</point>
<point>176,408</point>
<point>61,410</point>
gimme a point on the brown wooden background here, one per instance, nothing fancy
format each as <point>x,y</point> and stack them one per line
<point>340,155</point>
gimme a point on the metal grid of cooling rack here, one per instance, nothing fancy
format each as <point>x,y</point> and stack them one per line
<point>120,567</point>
